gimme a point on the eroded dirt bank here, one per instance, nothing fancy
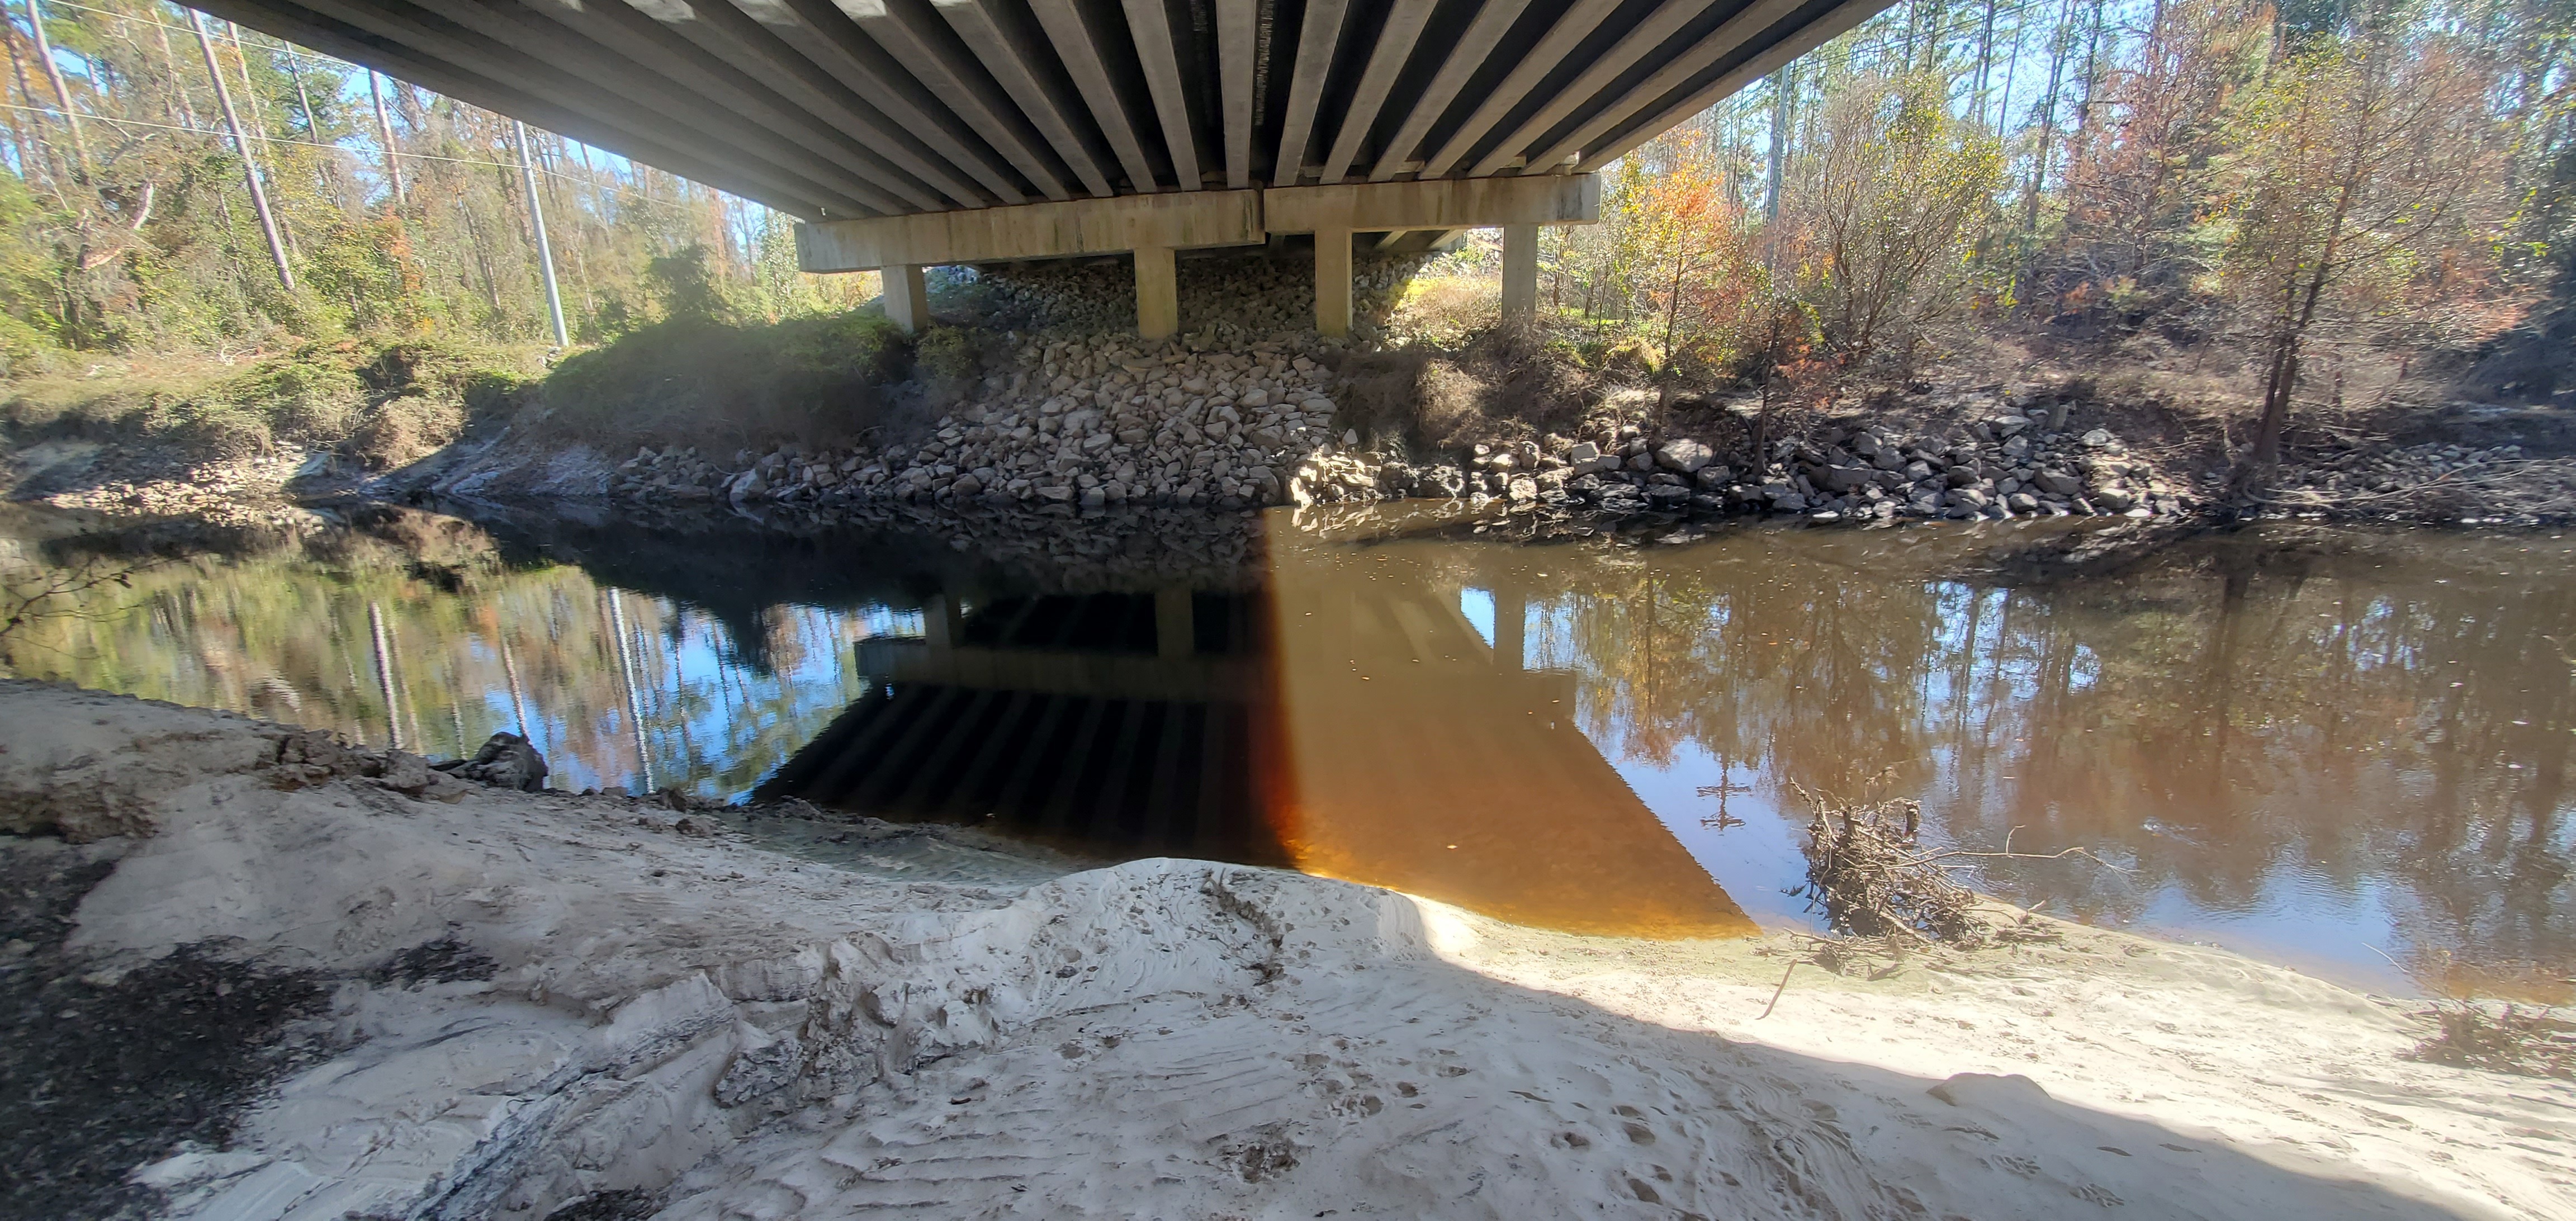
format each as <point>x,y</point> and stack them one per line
<point>457,1001</point>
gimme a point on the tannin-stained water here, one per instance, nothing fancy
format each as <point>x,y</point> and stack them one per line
<point>2346,750</point>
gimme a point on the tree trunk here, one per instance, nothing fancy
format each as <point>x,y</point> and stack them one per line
<point>1784,85</point>
<point>2279,380</point>
<point>2012,69</point>
<point>2059,44</point>
<point>27,98</point>
<point>1985,55</point>
<point>178,83</point>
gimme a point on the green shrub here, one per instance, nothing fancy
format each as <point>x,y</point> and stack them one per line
<point>695,381</point>
<point>387,401</point>
<point>946,353</point>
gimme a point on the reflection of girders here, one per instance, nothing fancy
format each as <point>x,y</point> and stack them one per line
<point>1124,774</point>
<point>1121,721</point>
<point>1395,747</point>
<point>902,661</point>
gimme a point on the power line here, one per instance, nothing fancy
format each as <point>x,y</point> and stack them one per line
<point>342,148</point>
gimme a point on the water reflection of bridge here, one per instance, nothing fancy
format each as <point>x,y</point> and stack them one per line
<point>1353,723</point>
<point>1119,722</point>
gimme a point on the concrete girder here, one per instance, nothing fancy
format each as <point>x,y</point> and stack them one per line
<point>1151,26</point>
<point>782,161</point>
<point>1666,20</point>
<point>1317,38</point>
<point>853,107</point>
<point>643,41</point>
<point>1491,23</point>
<point>1394,46</point>
<point>1433,203</point>
<point>731,35</point>
<point>1751,21</point>
<point>1172,220</point>
<point>1078,46</point>
<point>913,33</point>
<point>1184,220</point>
<point>1625,138</point>
<point>1236,31</point>
<point>297,24</point>
<point>859,107</point>
<point>1560,40</point>
<point>433,35</point>
<point>834,44</point>
<point>1016,60</point>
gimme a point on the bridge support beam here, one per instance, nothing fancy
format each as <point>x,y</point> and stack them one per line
<point>1520,271</point>
<point>1516,204</point>
<point>1154,227</point>
<point>1333,281</point>
<point>1158,293</point>
<point>906,296</point>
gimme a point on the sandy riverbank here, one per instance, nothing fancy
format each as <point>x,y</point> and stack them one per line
<point>481,1003</point>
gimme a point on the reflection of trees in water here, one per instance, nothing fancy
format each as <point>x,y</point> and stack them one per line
<point>2236,719</point>
<point>2340,712</point>
<point>1740,650</point>
<point>286,628</point>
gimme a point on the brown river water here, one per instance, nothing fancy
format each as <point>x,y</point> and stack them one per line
<point>2344,750</point>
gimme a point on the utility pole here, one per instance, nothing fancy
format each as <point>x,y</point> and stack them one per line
<point>385,136</point>
<point>62,91</point>
<point>250,168</point>
<point>545,252</point>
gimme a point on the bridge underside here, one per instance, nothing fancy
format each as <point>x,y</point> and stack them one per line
<point>833,110</point>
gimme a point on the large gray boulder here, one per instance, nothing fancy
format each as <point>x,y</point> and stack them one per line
<point>1684,455</point>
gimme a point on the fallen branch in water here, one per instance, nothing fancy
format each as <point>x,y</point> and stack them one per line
<point>1869,875</point>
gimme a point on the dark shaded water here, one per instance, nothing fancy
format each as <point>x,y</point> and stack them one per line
<point>2340,749</point>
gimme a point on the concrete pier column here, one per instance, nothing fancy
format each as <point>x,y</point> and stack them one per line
<point>1175,631</point>
<point>1333,281</point>
<point>1158,293</point>
<point>1520,270</point>
<point>943,622</point>
<point>907,297</point>
<point>1511,628</point>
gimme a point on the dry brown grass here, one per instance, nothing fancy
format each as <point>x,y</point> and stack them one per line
<point>2525,1042</point>
<point>1509,383</point>
<point>1446,311</point>
<point>405,430</point>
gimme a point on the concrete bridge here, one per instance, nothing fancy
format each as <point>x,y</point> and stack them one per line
<point>910,133</point>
